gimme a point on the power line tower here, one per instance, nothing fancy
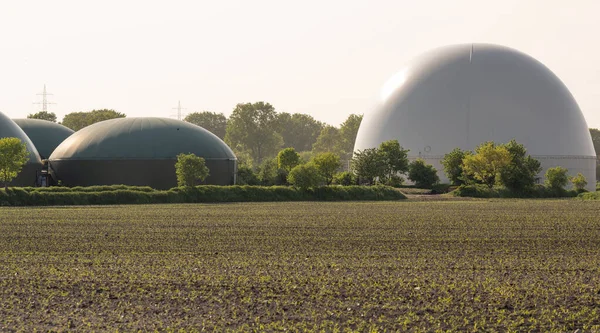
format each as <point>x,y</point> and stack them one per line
<point>44,102</point>
<point>179,108</point>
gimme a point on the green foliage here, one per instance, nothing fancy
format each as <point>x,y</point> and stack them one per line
<point>267,172</point>
<point>214,122</point>
<point>328,164</point>
<point>453,165</point>
<point>440,188</point>
<point>79,120</point>
<point>487,163</point>
<point>395,181</point>
<point>369,165</point>
<point>595,134</point>
<point>423,175</point>
<point>246,176</point>
<point>305,176</point>
<point>287,159</point>
<point>579,182</point>
<point>556,178</point>
<point>299,131</point>
<point>590,195</point>
<point>520,174</point>
<point>394,158</point>
<point>13,156</point>
<point>327,141</point>
<point>190,169</point>
<point>347,136</point>
<point>252,128</point>
<point>305,156</point>
<point>538,191</point>
<point>121,195</point>
<point>43,115</point>
<point>344,178</point>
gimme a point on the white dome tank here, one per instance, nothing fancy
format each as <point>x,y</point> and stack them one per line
<point>464,95</point>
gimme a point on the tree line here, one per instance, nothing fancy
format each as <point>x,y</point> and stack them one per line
<point>255,131</point>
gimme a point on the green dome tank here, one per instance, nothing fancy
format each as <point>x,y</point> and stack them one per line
<point>45,135</point>
<point>139,151</point>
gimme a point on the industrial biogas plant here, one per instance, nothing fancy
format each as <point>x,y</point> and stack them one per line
<point>463,95</point>
<point>457,96</point>
<point>129,151</point>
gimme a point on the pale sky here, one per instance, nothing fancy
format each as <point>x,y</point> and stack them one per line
<point>324,58</point>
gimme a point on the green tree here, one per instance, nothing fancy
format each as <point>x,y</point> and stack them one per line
<point>305,176</point>
<point>299,131</point>
<point>327,141</point>
<point>251,127</point>
<point>13,156</point>
<point>579,181</point>
<point>79,120</point>
<point>246,176</point>
<point>43,115</point>
<point>368,164</point>
<point>520,174</point>
<point>214,122</point>
<point>268,172</point>
<point>487,163</point>
<point>328,164</point>
<point>424,175</point>
<point>190,169</point>
<point>347,136</point>
<point>287,159</point>
<point>556,178</point>
<point>344,178</point>
<point>595,133</point>
<point>394,157</point>
<point>453,165</point>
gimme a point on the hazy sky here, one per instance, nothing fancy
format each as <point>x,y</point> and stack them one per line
<point>325,58</point>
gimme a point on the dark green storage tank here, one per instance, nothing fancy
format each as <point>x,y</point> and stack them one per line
<point>32,169</point>
<point>139,151</point>
<point>45,135</point>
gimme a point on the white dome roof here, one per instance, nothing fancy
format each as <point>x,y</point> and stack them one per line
<point>463,95</point>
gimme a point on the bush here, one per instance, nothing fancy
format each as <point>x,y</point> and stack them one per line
<point>344,178</point>
<point>305,176</point>
<point>556,178</point>
<point>190,169</point>
<point>590,196</point>
<point>198,194</point>
<point>267,172</point>
<point>579,182</point>
<point>440,188</point>
<point>424,175</point>
<point>538,191</point>
<point>395,181</point>
<point>245,176</point>
<point>327,164</point>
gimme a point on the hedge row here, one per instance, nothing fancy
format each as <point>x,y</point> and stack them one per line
<point>88,188</point>
<point>207,193</point>
<point>590,196</point>
<point>538,191</point>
